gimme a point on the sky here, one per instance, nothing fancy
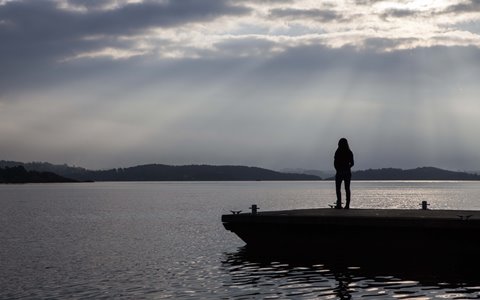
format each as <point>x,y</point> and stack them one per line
<point>273,83</point>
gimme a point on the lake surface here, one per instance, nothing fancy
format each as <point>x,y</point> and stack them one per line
<point>160,240</point>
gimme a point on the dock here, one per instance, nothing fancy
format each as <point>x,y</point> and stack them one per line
<point>369,230</point>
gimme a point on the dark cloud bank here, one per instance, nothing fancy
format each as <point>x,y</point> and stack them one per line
<point>38,34</point>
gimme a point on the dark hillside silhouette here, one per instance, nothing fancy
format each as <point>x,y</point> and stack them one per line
<point>424,173</point>
<point>159,172</point>
<point>156,172</point>
<point>63,170</point>
<point>19,174</point>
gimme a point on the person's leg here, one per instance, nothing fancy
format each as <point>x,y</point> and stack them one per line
<point>347,192</point>
<point>338,186</point>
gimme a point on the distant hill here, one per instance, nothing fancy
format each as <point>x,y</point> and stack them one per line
<point>159,172</point>
<point>424,173</point>
<point>63,170</point>
<point>19,174</point>
<point>319,173</point>
<point>156,172</point>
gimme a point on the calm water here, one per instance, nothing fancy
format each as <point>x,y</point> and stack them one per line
<point>165,240</point>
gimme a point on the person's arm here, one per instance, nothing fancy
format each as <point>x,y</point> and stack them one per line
<point>351,159</point>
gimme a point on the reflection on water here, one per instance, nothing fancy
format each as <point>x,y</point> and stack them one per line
<point>312,276</point>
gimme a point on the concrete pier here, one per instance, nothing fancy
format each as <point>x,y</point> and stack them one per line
<point>393,230</point>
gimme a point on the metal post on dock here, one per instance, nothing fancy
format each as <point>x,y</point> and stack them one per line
<point>254,208</point>
<point>425,205</point>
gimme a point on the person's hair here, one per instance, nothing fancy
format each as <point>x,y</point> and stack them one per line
<point>343,144</point>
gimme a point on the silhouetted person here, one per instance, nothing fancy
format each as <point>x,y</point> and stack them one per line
<point>343,162</point>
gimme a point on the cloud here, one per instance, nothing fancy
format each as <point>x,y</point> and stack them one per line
<point>319,15</point>
<point>267,2</point>
<point>44,17</point>
<point>367,2</point>
<point>382,44</point>
<point>244,46</point>
<point>468,6</point>
<point>39,34</point>
<point>121,29</point>
<point>400,13</point>
<point>90,4</point>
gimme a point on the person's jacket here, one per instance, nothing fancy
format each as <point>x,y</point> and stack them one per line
<point>343,160</point>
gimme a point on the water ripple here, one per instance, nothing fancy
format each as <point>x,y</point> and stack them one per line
<point>308,280</point>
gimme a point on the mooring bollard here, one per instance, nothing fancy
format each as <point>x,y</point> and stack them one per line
<point>254,208</point>
<point>425,205</point>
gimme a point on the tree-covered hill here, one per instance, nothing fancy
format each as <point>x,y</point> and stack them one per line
<point>159,172</point>
<point>424,173</point>
<point>19,174</point>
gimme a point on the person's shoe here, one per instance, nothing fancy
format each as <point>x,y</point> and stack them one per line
<point>338,207</point>
<point>347,207</point>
